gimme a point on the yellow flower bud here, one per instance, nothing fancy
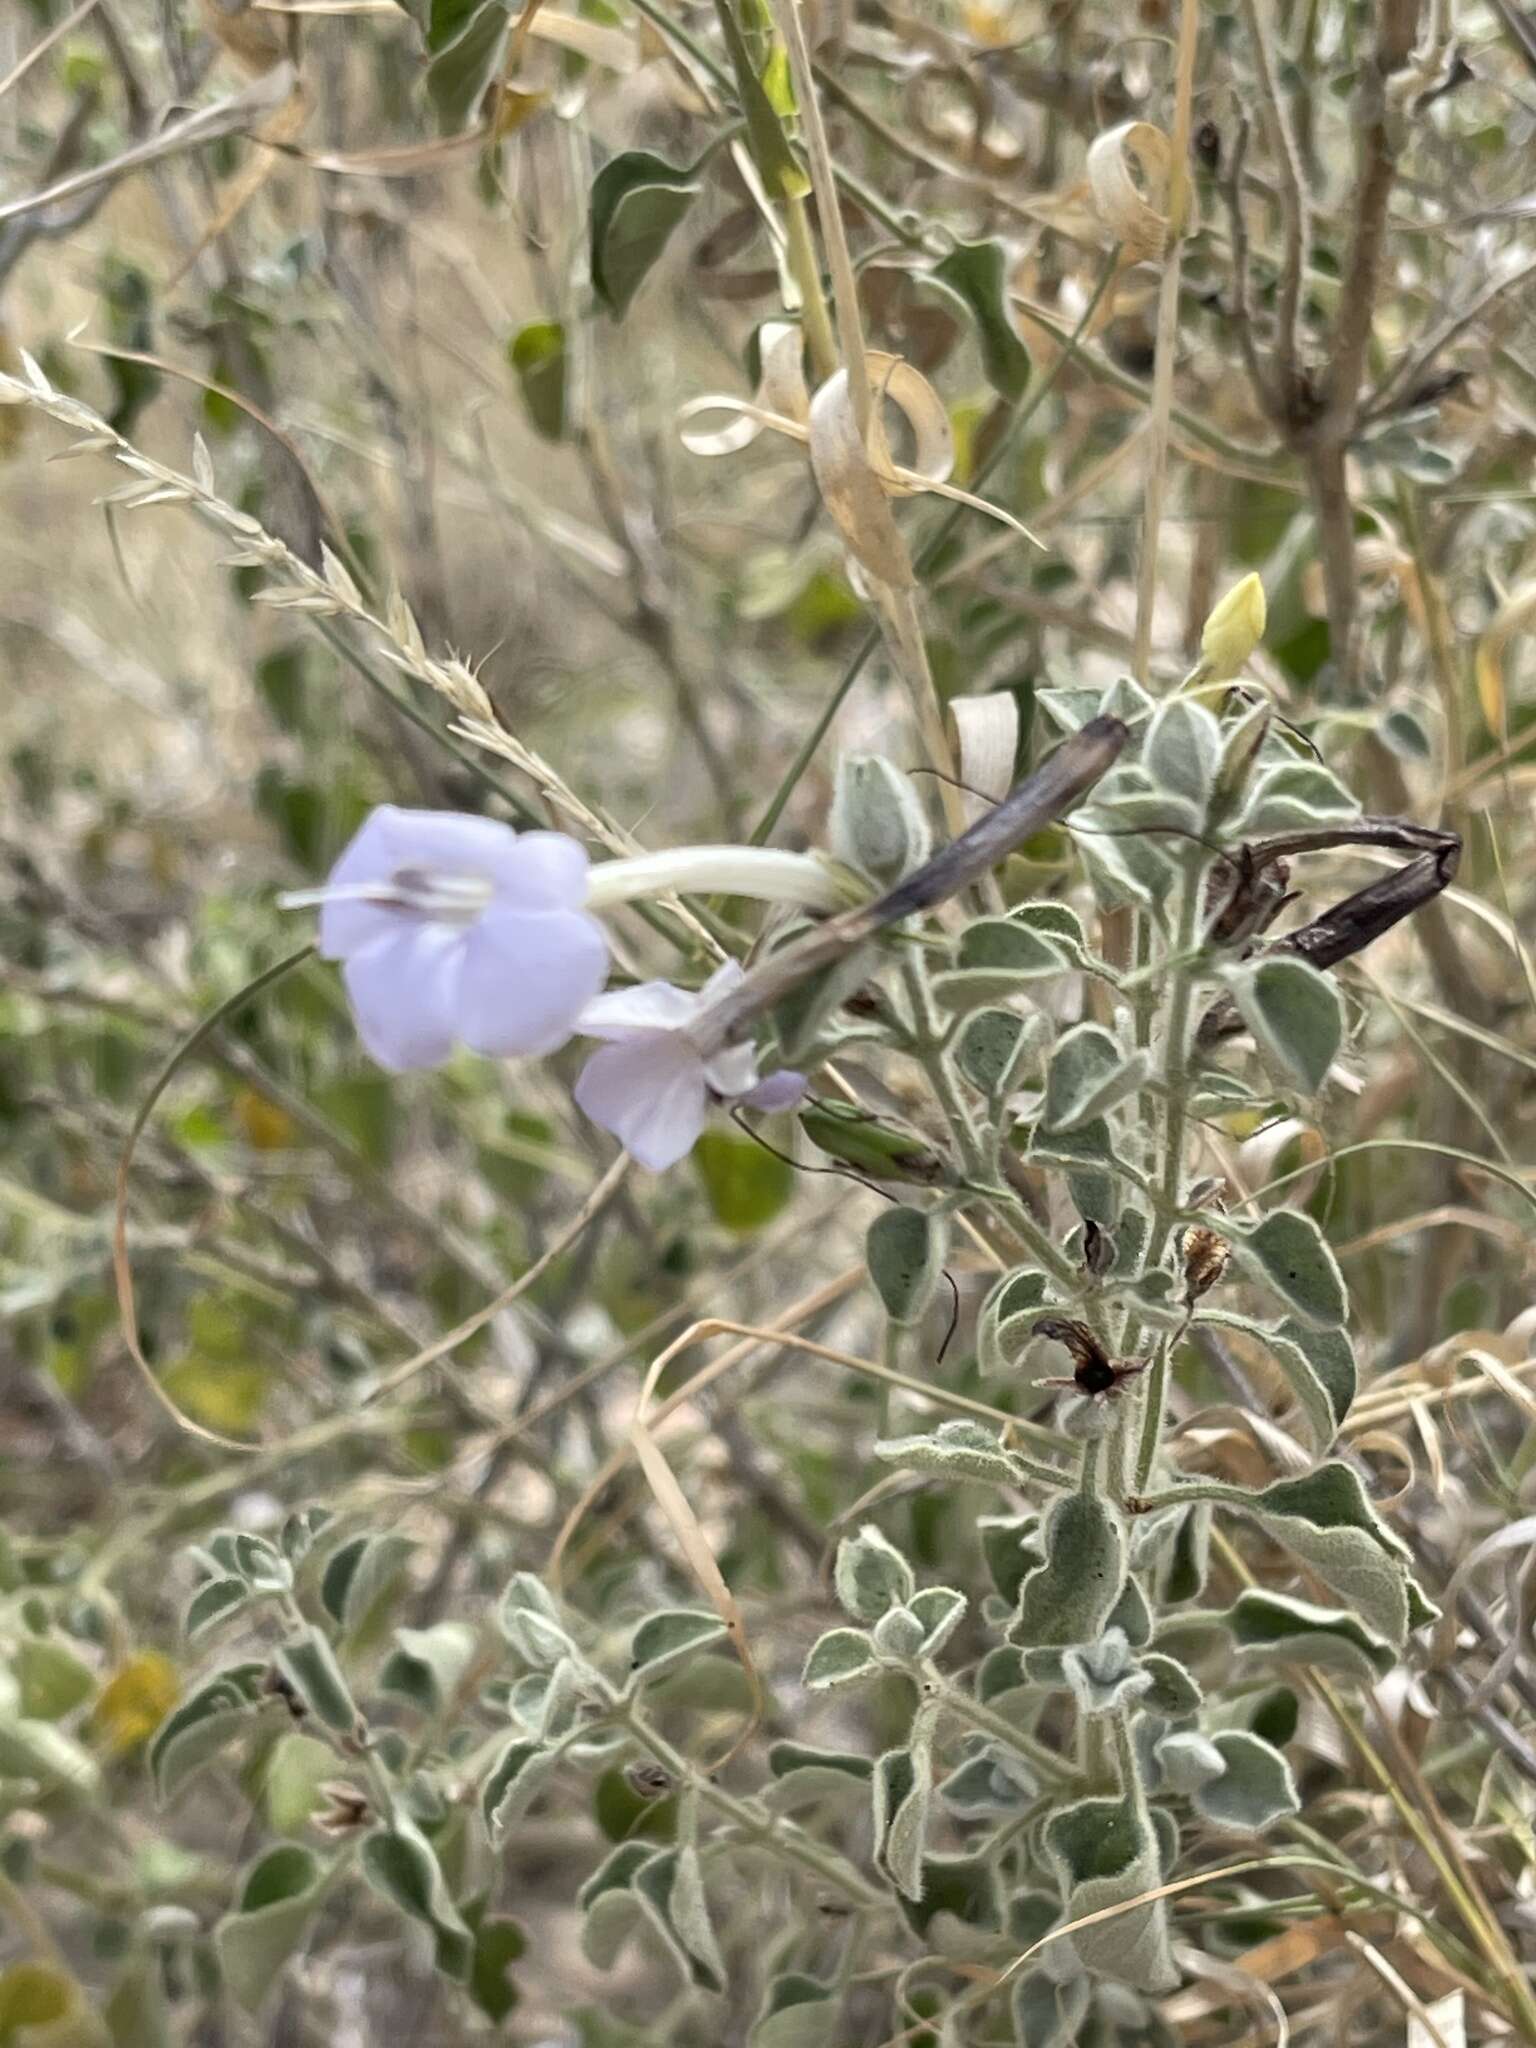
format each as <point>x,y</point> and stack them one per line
<point>1233,630</point>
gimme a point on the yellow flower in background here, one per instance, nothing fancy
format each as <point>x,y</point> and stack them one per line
<point>1233,630</point>
<point>134,1701</point>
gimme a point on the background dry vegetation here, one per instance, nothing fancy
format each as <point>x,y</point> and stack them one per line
<point>383,325</point>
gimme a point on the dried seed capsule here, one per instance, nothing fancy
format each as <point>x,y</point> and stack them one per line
<point>1206,1257</point>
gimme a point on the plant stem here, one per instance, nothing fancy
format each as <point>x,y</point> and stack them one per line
<point>760,1827</point>
<point>807,274</point>
<point>1175,1091</point>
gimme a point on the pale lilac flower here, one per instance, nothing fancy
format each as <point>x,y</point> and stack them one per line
<point>452,928</point>
<point>651,1086</point>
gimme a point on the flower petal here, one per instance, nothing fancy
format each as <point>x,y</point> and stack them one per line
<point>403,989</point>
<point>526,975</point>
<point>389,839</point>
<point>782,1089</point>
<point>648,1006</point>
<point>543,871</point>
<point>732,1071</point>
<point>649,1092</point>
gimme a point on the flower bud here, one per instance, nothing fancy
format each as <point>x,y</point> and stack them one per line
<point>1233,630</point>
<point>877,823</point>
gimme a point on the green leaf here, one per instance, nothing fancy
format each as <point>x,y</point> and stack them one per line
<point>537,355</point>
<point>512,1783</point>
<point>1295,1014</point>
<point>1069,1598</point>
<point>799,2012</point>
<point>1173,1692</point>
<point>1105,1851</point>
<point>904,1250</point>
<point>400,1862</point>
<point>1255,1789</point>
<point>53,1681</point>
<point>529,1619</point>
<point>978,271</point>
<point>671,1888</point>
<point>461,72</point>
<point>1182,751</point>
<point>637,201</point>
<point>775,160</point>
<point>939,1610</point>
<point>747,1185</point>
<point>1289,1252</point>
<point>1295,798</point>
<point>902,1791</point>
<point>1319,1367</point>
<point>841,1655</point>
<point>359,1574</point>
<point>1188,1760</point>
<point>1325,1519</point>
<point>42,2008</point>
<point>663,1642</point>
<point>214,1601</point>
<point>993,1047</point>
<point>1087,1076</point>
<point>277,1902</point>
<point>1281,1629</point>
<point>194,1733</point>
<point>955,1450</point>
<point>499,1941</point>
<point>296,1769</point>
<point>426,1665</point>
<point>994,1782</point>
<point>996,957</point>
<point>870,1575</point>
<point>41,1751</point>
<point>309,1664</point>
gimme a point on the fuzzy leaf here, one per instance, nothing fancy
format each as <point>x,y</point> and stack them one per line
<point>992,1048</point>
<point>277,1902</point>
<point>955,1450</point>
<point>1281,1629</point>
<point>996,958</point>
<point>904,1250</point>
<point>938,1610</point>
<point>871,1575</point>
<point>800,2012</point>
<point>1069,1597</point>
<point>1289,1252</point>
<point>400,1862</point>
<point>512,1783</point>
<point>1105,1852</point>
<point>1182,751</point>
<point>665,1641</point>
<point>426,1665</point>
<point>1087,1076</point>
<point>194,1733</point>
<point>1173,1692</point>
<point>309,1664</point>
<point>1255,1788</point>
<point>1325,1519</point>
<point>1188,1760</point>
<point>841,1655</point>
<point>1318,1364</point>
<point>359,1573</point>
<point>1296,1016</point>
<point>671,1887</point>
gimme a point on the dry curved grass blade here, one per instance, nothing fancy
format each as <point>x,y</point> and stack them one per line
<point>122,1265</point>
<point>1130,174</point>
<point>1514,615</point>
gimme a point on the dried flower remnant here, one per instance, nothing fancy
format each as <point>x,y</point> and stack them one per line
<point>1206,1257</point>
<point>652,1085</point>
<point>453,928</point>
<point>1094,1372</point>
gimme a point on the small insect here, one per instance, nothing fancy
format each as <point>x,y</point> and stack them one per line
<point>1095,1372</point>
